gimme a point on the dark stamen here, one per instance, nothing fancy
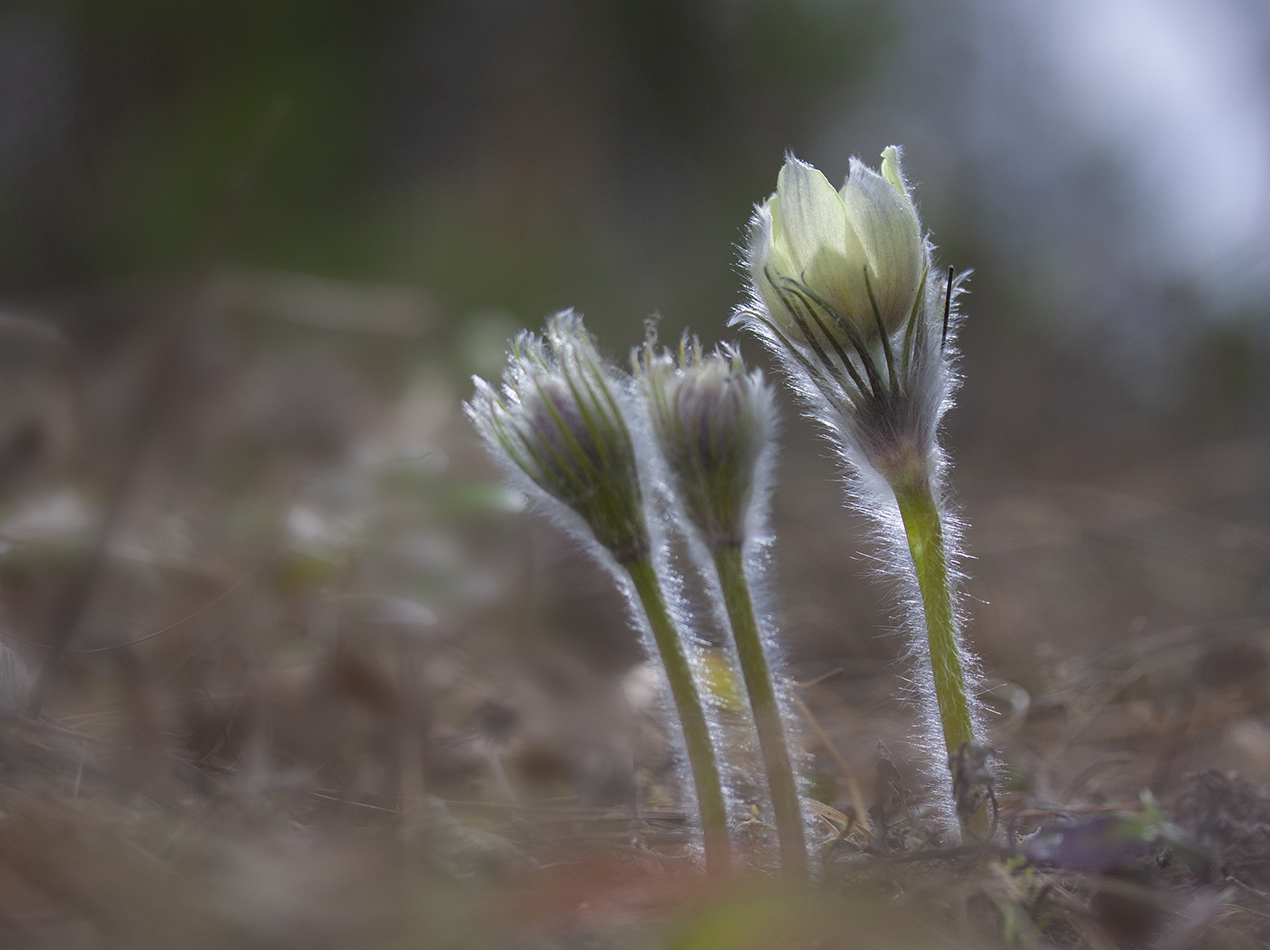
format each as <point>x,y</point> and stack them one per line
<point>830,391</point>
<point>854,338</point>
<point>882,332</point>
<point>913,316</point>
<point>787,296</point>
<point>804,296</point>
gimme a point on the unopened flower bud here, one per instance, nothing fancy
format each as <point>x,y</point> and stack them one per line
<point>843,263</point>
<point>840,292</point>
<point>713,422</point>
<point>558,420</point>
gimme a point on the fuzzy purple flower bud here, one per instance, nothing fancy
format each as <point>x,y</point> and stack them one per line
<point>714,423</point>
<point>558,421</point>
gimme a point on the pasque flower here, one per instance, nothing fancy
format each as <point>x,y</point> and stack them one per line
<point>841,293</point>
<point>858,251</point>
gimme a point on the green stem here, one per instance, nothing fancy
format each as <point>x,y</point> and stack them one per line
<point>925,533</point>
<point>730,564</point>
<point>705,770</point>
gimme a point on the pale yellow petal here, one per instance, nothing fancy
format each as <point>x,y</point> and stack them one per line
<point>808,213</point>
<point>886,223</point>
<point>810,229</point>
<point>891,169</point>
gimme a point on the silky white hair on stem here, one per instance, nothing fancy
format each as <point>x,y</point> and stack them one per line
<point>715,424</point>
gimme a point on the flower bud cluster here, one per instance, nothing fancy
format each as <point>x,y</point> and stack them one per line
<point>841,292</point>
<point>715,425</point>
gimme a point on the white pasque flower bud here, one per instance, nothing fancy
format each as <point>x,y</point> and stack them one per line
<point>558,421</point>
<point>840,293</point>
<point>714,423</point>
<point>839,261</point>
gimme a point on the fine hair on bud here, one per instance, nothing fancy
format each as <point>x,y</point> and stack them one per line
<point>715,425</point>
<point>558,422</point>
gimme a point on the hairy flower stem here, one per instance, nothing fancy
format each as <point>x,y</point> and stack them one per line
<point>730,563</point>
<point>925,533</point>
<point>692,718</point>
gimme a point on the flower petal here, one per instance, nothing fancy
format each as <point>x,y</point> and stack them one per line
<point>808,213</point>
<point>810,231</point>
<point>891,169</point>
<point>765,257</point>
<point>886,223</point>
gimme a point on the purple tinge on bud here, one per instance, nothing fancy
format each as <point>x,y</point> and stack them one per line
<point>559,422</point>
<point>554,421</point>
<point>713,422</point>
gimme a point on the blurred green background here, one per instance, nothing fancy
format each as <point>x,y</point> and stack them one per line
<point>1103,168</point>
